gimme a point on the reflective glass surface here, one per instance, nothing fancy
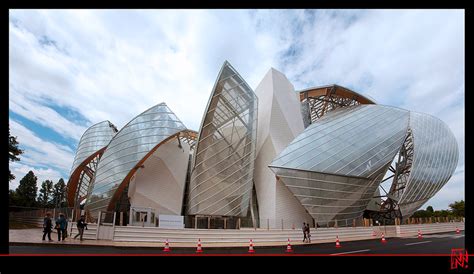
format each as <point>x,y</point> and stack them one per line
<point>133,142</point>
<point>222,175</point>
<point>351,141</point>
<point>329,197</point>
<point>434,161</point>
<point>94,138</point>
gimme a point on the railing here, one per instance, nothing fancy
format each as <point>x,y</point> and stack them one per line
<point>319,235</point>
<point>18,211</point>
<point>216,222</point>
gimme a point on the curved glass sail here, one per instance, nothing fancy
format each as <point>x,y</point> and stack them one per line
<point>336,164</point>
<point>435,157</point>
<point>221,180</point>
<point>90,149</point>
<point>94,138</point>
<point>353,141</point>
<point>129,146</point>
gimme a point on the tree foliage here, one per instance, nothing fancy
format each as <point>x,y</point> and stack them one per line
<point>12,198</point>
<point>457,208</point>
<point>13,152</point>
<point>46,191</point>
<point>430,209</point>
<point>26,192</point>
<point>59,194</point>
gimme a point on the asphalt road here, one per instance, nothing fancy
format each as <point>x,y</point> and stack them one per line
<point>430,244</point>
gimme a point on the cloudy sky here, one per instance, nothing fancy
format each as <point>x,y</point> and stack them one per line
<point>69,69</point>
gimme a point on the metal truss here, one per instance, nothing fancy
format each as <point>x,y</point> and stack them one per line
<point>81,185</point>
<point>319,101</point>
<point>400,172</point>
<point>187,136</point>
<point>85,179</point>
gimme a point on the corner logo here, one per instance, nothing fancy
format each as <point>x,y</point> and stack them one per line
<point>459,258</point>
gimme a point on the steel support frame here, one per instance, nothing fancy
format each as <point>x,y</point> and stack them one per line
<point>400,169</point>
<point>319,106</point>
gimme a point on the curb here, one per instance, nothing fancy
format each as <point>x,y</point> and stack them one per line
<point>160,245</point>
<point>55,244</point>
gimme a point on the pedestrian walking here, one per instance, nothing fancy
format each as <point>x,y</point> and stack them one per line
<point>61,227</point>
<point>47,226</point>
<point>308,233</point>
<point>304,232</point>
<point>81,224</point>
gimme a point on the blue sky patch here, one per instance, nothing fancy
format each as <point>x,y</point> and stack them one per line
<point>43,132</point>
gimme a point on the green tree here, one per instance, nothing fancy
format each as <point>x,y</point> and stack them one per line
<point>12,198</point>
<point>46,191</point>
<point>457,208</point>
<point>59,194</point>
<point>26,192</point>
<point>421,214</point>
<point>441,213</point>
<point>430,210</point>
<point>13,152</point>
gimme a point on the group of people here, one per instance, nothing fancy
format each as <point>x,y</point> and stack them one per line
<point>61,227</point>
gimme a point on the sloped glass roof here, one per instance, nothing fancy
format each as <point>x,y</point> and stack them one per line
<point>352,141</point>
<point>94,138</point>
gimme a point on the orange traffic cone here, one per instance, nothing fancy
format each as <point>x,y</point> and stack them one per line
<point>457,230</point>
<point>419,234</point>
<point>251,250</point>
<point>167,246</point>
<point>337,242</point>
<point>383,238</point>
<point>199,247</point>
<point>288,247</point>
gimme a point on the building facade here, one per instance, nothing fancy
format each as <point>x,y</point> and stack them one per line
<point>273,157</point>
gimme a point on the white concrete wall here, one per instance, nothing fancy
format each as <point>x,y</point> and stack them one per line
<point>272,236</point>
<point>279,122</point>
<point>160,185</point>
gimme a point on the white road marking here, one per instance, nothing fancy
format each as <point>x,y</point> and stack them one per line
<point>418,243</point>
<point>356,251</point>
<point>442,236</point>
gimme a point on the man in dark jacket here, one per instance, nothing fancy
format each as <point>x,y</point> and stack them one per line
<point>304,232</point>
<point>47,226</point>
<point>308,233</point>
<point>61,226</point>
<point>81,224</point>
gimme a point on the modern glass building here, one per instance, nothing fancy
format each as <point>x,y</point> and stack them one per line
<point>222,172</point>
<point>127,152</point>
<point>270,158</point>
<point>91,147</point>
<point>433,159</point>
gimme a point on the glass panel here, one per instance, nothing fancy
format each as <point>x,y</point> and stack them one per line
<point>435,160</point>
<point>357,142</point>
<point>127,148</point>
<point>221,181</point>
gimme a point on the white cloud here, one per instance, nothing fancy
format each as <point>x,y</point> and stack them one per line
<point>44,116</point>
<point>46,157</point>
<point>20,170</point>
<point>114,64</point>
